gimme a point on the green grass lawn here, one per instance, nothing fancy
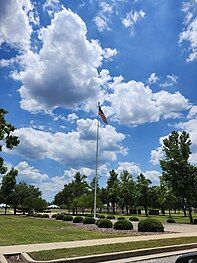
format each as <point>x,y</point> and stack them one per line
<point>84,251</point>
<point>179,218</point>
<point>15,230</point>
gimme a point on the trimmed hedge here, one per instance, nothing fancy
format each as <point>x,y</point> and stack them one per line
<point>121,218</point>
<point>171,220</point>
<point>37,215</point>
<point>134,218</point>
<point>54,216</point>
<point>150,225</point>
<point>77,219</point>
<point>89,215</point>
<point>59,217</point>
<point>88,220</point>
<point>30,214</point>
<point>67,218</point>
<point>100,216</point>
<point>104,223</point>
<point>195,221</point>
<point>123,225</point>
<point>45,216</point>
<point>111,217</point>
<point>154,212</point>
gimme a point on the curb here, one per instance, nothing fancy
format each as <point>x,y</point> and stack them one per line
<point>113,256</point>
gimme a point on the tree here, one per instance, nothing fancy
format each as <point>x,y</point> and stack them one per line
<point>69,196</point>
<point>143,192</point>
<point>167,199</point>
<point>30,198</point>
<point>127,191</point>
<point>6,137</point>
<point>177,171</point>
<point>8,188</point>
<point>104,198</point>
<point>113,189</point>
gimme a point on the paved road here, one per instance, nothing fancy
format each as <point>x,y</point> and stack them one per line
<point>159,260</point>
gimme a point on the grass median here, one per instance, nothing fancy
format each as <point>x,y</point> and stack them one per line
<point>101,249</point>
<point>16,230</point>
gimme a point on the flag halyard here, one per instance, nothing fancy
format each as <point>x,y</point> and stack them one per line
<point>102,115</point>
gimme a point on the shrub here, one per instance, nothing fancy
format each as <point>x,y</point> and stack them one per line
<point>67,218</point>
<point>171,220</point>
<point>100,216</point>
<point>97,221</point>
<point>37,215</point>
<point>150,225</point>
<point>89,215</point>
<point>104,223</point>
<point>134,218</point>
<point>121,218</point>
<point>88,220</point>
<point>77,219</point>
<point>154,212</point>
<point>30,214</point>
<point>54,215</point>
<point>45,216</point>
<point>123,225</point>
<point>195,221</point>
<point>59,217</point>
<point>110,217</point>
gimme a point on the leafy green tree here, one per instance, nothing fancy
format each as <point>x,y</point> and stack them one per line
<point>113,189</point>
<point>69,196</point>
<point>8,188</point>
<point>31,198</point>
<point>6,137</point>
<point>127,191</point>
<point>167,199</point>
<point>64,197</point>
<point>143,192</point>
<point>154,197</point>
<point>104,198</point>
<point>177,171</point>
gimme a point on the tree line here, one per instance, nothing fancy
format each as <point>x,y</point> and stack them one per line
<point>177,189</point>
<point>18,195</point>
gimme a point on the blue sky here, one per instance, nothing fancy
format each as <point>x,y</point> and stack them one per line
<point>59,58</point>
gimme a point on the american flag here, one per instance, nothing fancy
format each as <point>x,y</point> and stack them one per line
<point>102,115</point>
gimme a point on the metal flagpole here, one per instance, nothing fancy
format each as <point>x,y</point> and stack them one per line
<point>96,170</point>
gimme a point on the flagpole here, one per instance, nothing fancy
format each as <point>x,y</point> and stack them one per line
<point>96,169</point>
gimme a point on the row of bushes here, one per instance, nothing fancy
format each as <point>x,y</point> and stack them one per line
<point>146,225</point>
<point>80,218</point>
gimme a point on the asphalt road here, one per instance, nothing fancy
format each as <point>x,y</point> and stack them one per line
<point>159,260</point>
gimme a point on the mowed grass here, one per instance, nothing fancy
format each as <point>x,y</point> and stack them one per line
<point>93,250</point>
<point>15,230</point>
<point>179,217</point>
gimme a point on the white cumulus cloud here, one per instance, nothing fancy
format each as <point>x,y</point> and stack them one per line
<point>29,174</point>
<point>76,149</point>
<point>15,28</point>
<point>134,103</point>
<point>65,71</point>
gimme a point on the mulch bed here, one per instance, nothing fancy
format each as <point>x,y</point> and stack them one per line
<point>133,232</point>
<point>14,259</point>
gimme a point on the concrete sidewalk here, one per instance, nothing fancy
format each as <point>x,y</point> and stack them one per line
<point>84,243</point>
